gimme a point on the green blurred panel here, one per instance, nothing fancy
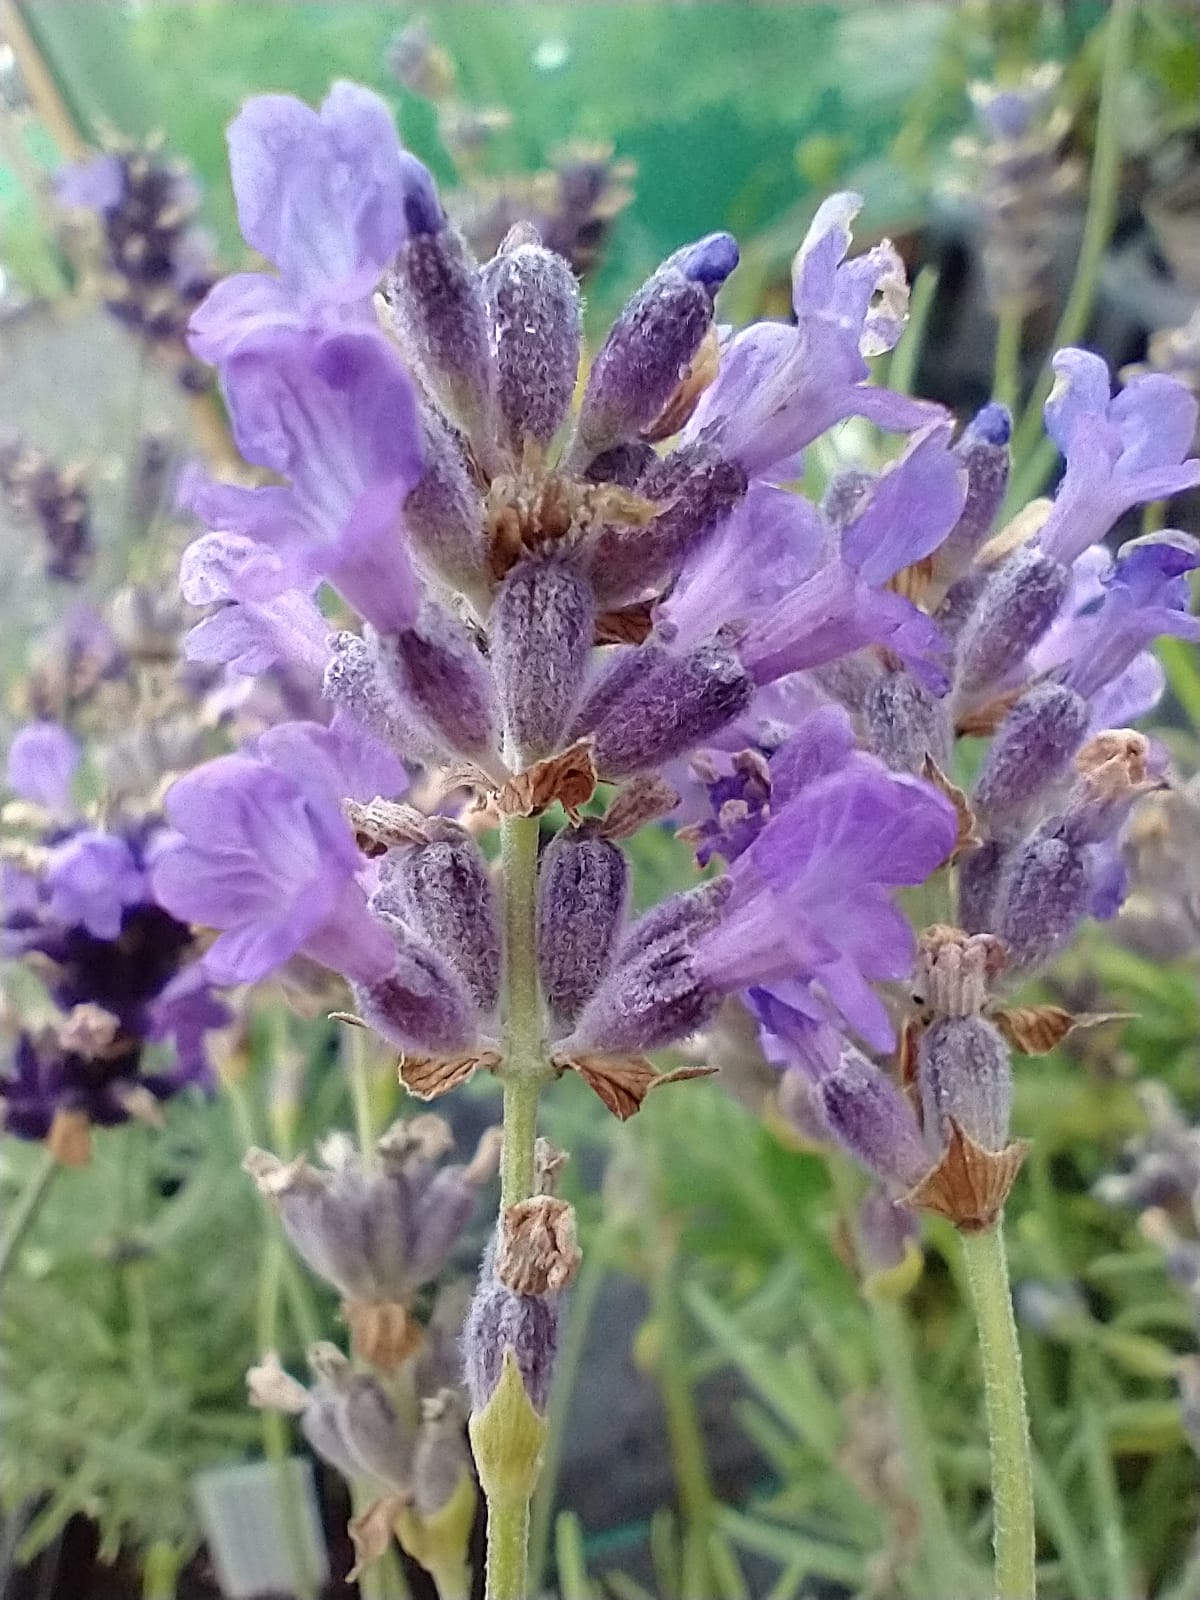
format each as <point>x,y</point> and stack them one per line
<point>713,102</point>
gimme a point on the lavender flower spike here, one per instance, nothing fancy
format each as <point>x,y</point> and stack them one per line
<point>1120,452</point>
<point>42,762</point>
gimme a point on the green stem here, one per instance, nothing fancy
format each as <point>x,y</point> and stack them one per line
<point>357,1045</point>
<point>1031,457</point>
<point>160,1571</point>
<point>275,1437</point>
<point>25,1208</point>
<point>945,1563</point>
<point>1006,374</point>
<point>524,1071</point>
<point>507,1549</point>
<point>902,371</point>
<point>1008,1425</point>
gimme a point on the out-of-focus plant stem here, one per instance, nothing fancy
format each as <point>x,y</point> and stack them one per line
<point>1033,455</point>
<point>25,1208</point>
<point>160,1571</point>
<point>902,371</point>
<point>1008,1423</point>
<point>944,1563</point>
<point>1006,373</point>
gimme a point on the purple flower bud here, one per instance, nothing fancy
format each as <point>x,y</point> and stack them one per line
<point>1032,748</point>
<point>625,464</point>
<point>651,345</point>
<point>443,889</point>
<point>682,701</point>
<point>965,1072</point>
<point>541,629</point>
<point>983,451</point>
<point>444,513</point>
<point>979,874</point>
<point>500,1320</point>
<point>621,671</point>
<point>321,1425</point>
<point>442,679</point>
<point>1021,600</point>
<point>439,316</point>
<point>656,993</point>
<point>532,300</point>
<point>959,603</point>
<point>421,1005</point>
<point>356,684</point>
<point>698,488</point>
<point>1042,895</point>
<point>442,1460</point>
<point>374,1432</point>
<point>904,723</point>
<point>872,1119</point>
<point>583,889</point>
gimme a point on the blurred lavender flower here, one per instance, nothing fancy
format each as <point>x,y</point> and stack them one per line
<point>53,502</point>
<point>158,263</point>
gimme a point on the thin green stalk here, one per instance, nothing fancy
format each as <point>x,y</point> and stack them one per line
<point>275,1434</point>
<point>357,1041</point>
<point>902,371</point>
<point>160,1571</point>
<point>1034,456</point>
<point>1006,374</point>
<point>585,1292</point>
<point>524,1071</point>
<point>944,1562</point>
<point>986,1265</point>
<point>1108,1521</point>
<point>25,1208</point>
<point>697,1503</point>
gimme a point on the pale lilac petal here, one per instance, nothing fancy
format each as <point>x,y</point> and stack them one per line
<point>42,761</point>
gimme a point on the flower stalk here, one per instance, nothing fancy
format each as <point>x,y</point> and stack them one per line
<point>1007,1419</point>
<point>26,1207</point>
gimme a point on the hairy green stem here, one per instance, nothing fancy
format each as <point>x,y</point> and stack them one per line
<point>1033,456</point>
<point>507,1549</point>
<point>1008,1425</point>
<point>944,1561</point>
<point>25,1208</point>
<point>523,1072</point>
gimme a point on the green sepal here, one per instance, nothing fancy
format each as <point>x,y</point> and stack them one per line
<point>507,1438</point>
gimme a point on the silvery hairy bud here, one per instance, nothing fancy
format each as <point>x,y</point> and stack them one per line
<point>583,891</point>
<point>651,345</point>
<point>442,681</point>
<point>1042,895</point>
<point>541,629</point>
<point>355,682</point>
<point>965,1072</point>
<point>422,1005</point>
<point>668,709</point>
<point>1017,606</point>
<point>533,308</point>
<point>905,723</point>
<point>867,1114</point>
<point>443,515</point>
<point>352,1412</point>
<point>983,451</point>
<point>1031,750</point>
<point>503,1323</point>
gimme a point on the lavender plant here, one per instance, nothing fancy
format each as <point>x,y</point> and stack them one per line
<point>620,611</point>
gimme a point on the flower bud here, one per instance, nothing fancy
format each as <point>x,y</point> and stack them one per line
<point>889,1235</point>
<point>904,723</point>
<point>983,451</point>
<point>965,1072</point>
<point>356,683</point>
<point>443,889</point>
<point>442,681</point>
<point>541,629</point>
<point>1021,600</point>
<point>697,489</point>
<point>502,1323</point>
<point>955,970</point>
<point>439,316</point>
<point>867,1114</point>
<point>443,515</point>
<point>583,889</point>
<point>1032,748</point>
<point>682,701</point>
<point>1042,895</point>
<point>373,1431</point>
<point>533,308</point>
<point>651,345</point>
<point>422,1005</point>
<point>622,670</point>
<point>656,993</point>
<point>979,873</point>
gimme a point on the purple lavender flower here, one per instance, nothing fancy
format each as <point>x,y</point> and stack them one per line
<point>1120,452</point>
<point>780,387</point>
<point>42,761</point>
<point>93,878</point>
<point>266,856</point>
<point>336,415</point>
